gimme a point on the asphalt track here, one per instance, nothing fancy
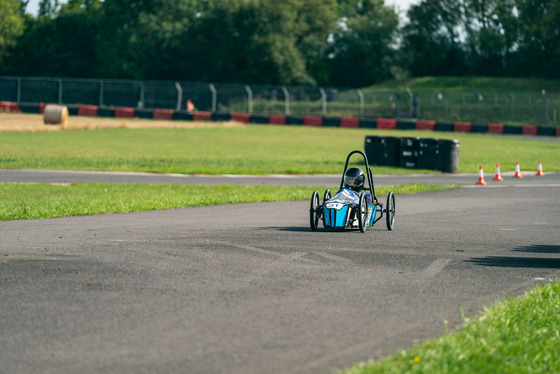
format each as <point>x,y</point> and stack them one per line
<point>250,289</point>
<point>63,176</point>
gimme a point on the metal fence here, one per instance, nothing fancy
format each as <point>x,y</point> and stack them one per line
<point>485,107</point>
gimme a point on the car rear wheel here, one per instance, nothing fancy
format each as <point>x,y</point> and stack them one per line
<point>314,211</point>
<point>390,210</point>
<point>362,213</point>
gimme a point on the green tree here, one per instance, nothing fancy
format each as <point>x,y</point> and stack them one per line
<point>48,8</point>
<point>143,39</point>
<point>362,51</point>
<point>61,44</point>
<point>257,41</point>
<point>539,38</point>
<point>12,25</point>
<point>491,29</point>
<point>431,38</point>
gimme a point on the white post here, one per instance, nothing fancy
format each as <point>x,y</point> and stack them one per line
<point>214,96</point>
<point>60,91</point>
<point>249,99</point>
<point>361,96</point>
<point>411,109</point>
<point>479,98</point>
<point>323,100</point>
<point>512,99</point>
<point>142,95</point>
<point>545,107</point>
<point>179,95</point>
<point>286,100</point>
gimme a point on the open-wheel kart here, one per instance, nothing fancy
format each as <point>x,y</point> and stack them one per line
<point>348,209</point>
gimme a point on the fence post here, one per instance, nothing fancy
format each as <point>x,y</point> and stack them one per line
<point>286,100</point>
<point>512,99</point>
<point>141,102</point>
<point>101,92</point>
<point>214,96</point>
<point>480,98</point>
<point>411,95</point>
<point>398,106</point>
<point>443,95</point>
<point>19,90</point>
<point>323,100</point>
<point>179,95</point>
<point>361,96</point>
<point>60,91</point>
<point>545,107</point>
<point>249,99</point>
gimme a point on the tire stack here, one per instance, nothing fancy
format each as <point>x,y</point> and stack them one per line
<point>417,153</point>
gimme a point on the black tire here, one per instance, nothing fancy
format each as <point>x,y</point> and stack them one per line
<point>362,213</point>
<point>390,211</point>
<point>314,211</point>
<point>327,195</point>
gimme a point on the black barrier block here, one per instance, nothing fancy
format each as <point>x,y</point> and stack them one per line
<point>261,119</point>
<point>381,150</point>
<point>294,120</point>
<point>331,121</point>
<point>409,143</point>
<point>403,124</point>
<point>408,162</point>
<point>449,155</point>
<point>29,107</point>
<point>512,129</point>
<point>479,127</point>
<point>428,154</point>
<point>368,123</point>
<point>541,130</point>
<point>443,126</point>
<point>220,117</point>
<point>72,110</point>
<point>143,113</point>
<point>105,112</point>
<point>408,152</point>
<point>182,115</point>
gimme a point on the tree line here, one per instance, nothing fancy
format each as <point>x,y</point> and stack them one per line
<point>349,43</point>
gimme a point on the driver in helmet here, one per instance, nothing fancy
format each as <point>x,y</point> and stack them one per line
<point>354,179</point>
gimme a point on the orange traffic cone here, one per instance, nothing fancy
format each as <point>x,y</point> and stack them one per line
<point>481,177</point>
<point>498,177</point>
<point>539,170</point>
<point>517,171</point>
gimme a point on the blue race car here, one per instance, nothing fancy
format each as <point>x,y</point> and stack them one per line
<point>354,205</point>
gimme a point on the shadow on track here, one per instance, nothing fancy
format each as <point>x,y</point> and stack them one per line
<point>517,262</point>
<point>539,249</point>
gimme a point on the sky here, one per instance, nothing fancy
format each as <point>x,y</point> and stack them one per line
<point>401,5</point>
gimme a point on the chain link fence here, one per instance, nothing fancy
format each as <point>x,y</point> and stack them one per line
<point>540,108</point>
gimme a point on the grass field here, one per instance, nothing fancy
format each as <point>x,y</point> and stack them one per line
<point>252,149</point>
<point>519,335</point>
<point>32,201</point>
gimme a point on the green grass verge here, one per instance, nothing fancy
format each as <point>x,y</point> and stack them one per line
<point>250,149</point>
<point>519,335</point>
<point>32,201</point>
<point>473,84</point>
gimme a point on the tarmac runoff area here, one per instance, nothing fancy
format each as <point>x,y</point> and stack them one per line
<point>248,288</point>
<point>65,177</point>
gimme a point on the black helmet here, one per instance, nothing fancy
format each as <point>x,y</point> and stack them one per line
<point>354,179</point>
